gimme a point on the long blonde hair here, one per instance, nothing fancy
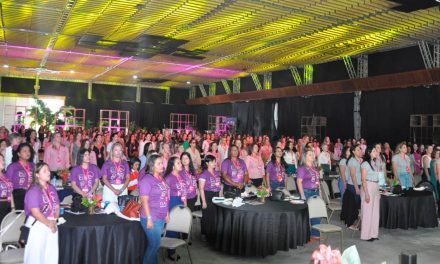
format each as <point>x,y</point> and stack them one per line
<point>117,144</point>
<point>399,147</point>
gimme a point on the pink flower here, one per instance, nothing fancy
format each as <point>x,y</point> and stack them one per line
<point>325,255</point>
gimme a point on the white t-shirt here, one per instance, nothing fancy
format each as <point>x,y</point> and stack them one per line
<point>324,158</point>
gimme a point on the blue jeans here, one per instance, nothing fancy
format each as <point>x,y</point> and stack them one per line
<point>313,221</point>
<point>405,180</point>
<point>153,236</point>
<point>276,184</point>
<point>341,187</point>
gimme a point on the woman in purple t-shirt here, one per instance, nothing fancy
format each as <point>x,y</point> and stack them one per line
<point>209,187</point>
<point>178,192</point>
<point>6,201</point>
<point>276,170</point>
<point>42,209</point>
<point>19,172</point>
<point>188,172</point>
<point>155,198</point>
<point>308,183</point>
<point>85,176</point>
<point>115,175</point>
<point>175,182</point>
<point>234,172</point>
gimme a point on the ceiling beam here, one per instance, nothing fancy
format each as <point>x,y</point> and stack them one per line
<point>389,81</point>
<point>62,21</point>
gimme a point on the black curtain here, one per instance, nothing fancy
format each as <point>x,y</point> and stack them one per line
<point>385,114</point>
<point>254,117</point>
<point>337,108</point>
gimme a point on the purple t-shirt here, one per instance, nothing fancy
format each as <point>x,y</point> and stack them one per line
<point>158,193</point>
<point>276,172</point>
<point>116,173</point>
<point>310,177</point>
<point>20,176</point>
<point>85,179</point>
<point>177,185</point>
<point>212,181</point>
<point>5,188</point>
<point>236,173</point>
<point>45,200</point>
<point>191,183</point>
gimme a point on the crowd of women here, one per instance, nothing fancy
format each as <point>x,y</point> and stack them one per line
<point>167,169</point>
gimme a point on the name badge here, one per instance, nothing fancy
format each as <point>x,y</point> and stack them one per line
<point>280,178</point>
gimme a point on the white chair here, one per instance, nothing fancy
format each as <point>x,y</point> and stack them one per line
<point>12,256</point>
<point>10,233</point>
<point>197,214</point>
<point>317,209</point>
<point>10,228</point>
<point>290,183</point>
<point>332,205</point>
<point>68,200</point>
<point>180,221</point>
<point>135,192</point>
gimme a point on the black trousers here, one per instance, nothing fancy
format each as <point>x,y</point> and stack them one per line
<point>5,208</point>
<point>208,214</point>
<point>19,195</point>
<point>191,203</point>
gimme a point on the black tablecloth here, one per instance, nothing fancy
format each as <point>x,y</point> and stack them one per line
<point>410,210</point>
<point>100,239</point>
<point>260,230</point>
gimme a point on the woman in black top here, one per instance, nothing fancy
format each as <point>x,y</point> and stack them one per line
<point>99,150</point>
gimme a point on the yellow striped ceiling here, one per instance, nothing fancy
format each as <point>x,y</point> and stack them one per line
<point>240,37</point>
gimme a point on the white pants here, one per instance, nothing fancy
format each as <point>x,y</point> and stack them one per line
<point>42,245</point>
<point>109,195</point>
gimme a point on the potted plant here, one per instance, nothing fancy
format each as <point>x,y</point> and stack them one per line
<point>263,192</point>
<point>90,202</point>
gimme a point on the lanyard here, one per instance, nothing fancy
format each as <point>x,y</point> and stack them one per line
<point>164,187</point>
<point>28,170</point>
<point>49,197</point>
<point>86,176</point>
<point>8,185</point>
<point>117,168</point>
<point>314,174</point>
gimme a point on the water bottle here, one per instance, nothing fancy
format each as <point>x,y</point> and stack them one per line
<point>53,181</point>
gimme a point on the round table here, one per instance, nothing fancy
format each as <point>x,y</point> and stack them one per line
<point>259,230</point>
<point>412,209</point>
<point>100,239</point>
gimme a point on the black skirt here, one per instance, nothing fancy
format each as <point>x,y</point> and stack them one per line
<point>350,208</point>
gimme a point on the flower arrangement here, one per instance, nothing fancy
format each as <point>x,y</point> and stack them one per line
<point>91,202</point>
<point>325,255</point>
<point>263,192</point>
<point>64,175</point>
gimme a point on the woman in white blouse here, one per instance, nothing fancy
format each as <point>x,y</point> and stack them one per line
<point>291,158</point>
<point>324,159</point>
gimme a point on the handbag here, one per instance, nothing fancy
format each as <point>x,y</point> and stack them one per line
<point>131,209</point>
<point>24,232</point>
<point>124,199</point>
<point>77,205</point>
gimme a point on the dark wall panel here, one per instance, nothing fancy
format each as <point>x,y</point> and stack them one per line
<point>400,60</point>
<point>337,108</point>
<point>385,114</point>
<point>178,95</point>
<point>114,93</point>
<point>17,85</point>
<point>152,95</point>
